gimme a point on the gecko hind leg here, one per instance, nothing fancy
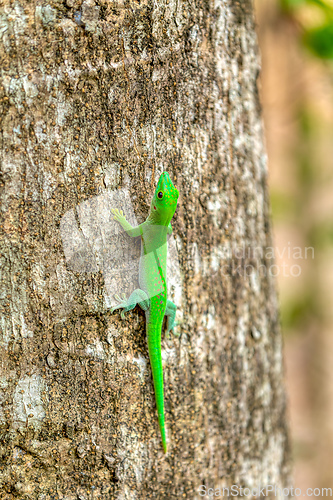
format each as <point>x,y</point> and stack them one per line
<point>170,313</point>
<point>137,297</point>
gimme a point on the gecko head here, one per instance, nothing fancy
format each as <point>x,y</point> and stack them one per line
<point>164,202</point>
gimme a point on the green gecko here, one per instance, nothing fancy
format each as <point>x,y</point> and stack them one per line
<point>152,294</point>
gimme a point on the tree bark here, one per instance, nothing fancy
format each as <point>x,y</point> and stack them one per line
<point>101,95</point>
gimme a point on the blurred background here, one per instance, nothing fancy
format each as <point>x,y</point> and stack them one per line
<point>296,86</point>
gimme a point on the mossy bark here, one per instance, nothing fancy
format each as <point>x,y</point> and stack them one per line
<point>101,95</point>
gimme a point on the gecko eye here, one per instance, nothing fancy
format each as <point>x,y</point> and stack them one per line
<point>160,195</point>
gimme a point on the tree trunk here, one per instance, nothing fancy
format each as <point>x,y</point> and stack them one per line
<point>97,96</point>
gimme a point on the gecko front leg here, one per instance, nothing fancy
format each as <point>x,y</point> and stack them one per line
<point>118,215</point>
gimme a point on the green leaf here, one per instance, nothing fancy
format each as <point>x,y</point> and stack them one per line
<point>326,7</point>
<point>291,4</point>
<point>297,313</point>
<point>320,41</point>
<point>282,205</point>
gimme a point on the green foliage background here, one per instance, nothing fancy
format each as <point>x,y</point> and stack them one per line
<point>312,21</point>
<point>296,43</point>
<point>317,34</point>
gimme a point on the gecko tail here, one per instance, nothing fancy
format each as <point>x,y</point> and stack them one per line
<point>161,421</point>
<point>165,448</point>
<point>154,347</point>
<point>162,430</point>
